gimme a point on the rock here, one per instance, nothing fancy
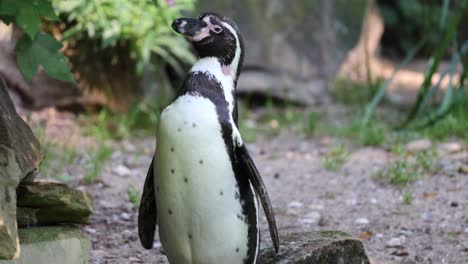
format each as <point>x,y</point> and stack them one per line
<point>295,204</point>
<point>463,168</point>
<point>286,49</point>
<point>362,221</point>
<point>396,242</point>
<point>449,147</point>
<point>418,145</point>
<point>48,203</point>
<point>426,217</point>
<point>361,57</point>
<point>316,247</point>
<point>15,134</point>
<point>122,170</point>
<point>9,178</point>
<point>301,92</point>
<point>313,217</point>
<point>20,155</point>
<point>50,245</point>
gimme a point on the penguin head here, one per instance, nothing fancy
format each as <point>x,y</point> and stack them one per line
<point>213,35</point>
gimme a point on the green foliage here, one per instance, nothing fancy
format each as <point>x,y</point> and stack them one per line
<point>139,25</point>
<point>408,197</point>
<point>140,119</point>
<point>335,158</point>
<point>97,160</point>
<point>35,49</point>
<point>434,61</point>
<point>454,124</point>
<point>382,88</point>
<point>353,93</point>
<point>42,50</point>
<point>407,168</point>
<point>422,113</point>
<point>407,22</point>
<point>56,158</point>
<point>134,196</point>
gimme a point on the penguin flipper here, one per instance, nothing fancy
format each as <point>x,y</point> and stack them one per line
<point>257,182</point>
<point>147,212</point>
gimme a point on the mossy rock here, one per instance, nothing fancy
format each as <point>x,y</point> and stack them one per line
<point>42,203</point>
<point>50,245</point>
<point>325,247</point>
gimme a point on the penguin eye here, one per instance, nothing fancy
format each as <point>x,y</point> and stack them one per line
<point>217,29</point>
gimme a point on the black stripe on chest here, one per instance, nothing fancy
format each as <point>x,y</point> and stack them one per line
<point>207,86</point>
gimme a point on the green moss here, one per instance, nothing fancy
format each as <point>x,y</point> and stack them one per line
<point>49,233</point>
<point>333,234</point>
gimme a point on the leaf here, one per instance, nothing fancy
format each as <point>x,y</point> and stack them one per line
<point>433,65</point>
<point>45,10</point>
<point>450,96</point>
<point>27,14</point>
<point>8,8</point>
<point>370,108</point>
<point>28,19</point>
<point>42,50</point>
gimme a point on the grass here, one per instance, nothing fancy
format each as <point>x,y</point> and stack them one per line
<point>141,119</point>
<point>335,158</point>
<point>408,168</point>
<point>408,197</point>
<point>455,124</point>
<point>56,157</point>
<point>97,160</point>
<point>351,92</point>
<point>270,121</point>
<point>134,195</point>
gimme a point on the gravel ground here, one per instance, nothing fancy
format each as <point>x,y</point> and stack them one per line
<point>306,197</point>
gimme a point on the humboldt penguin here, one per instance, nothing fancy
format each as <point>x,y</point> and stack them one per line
<point>202,186</point>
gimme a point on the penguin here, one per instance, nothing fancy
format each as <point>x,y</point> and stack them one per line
<point>202,187</point>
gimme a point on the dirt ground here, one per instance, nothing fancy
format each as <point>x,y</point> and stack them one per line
<point>306,197</point>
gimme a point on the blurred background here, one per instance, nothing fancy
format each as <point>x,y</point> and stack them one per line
<point>356,110</point>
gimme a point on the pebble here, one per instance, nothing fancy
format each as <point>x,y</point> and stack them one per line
<point>125,216</point>
<point>311,218</point>
<point>418,145</point>
<point>449,147</point>
<point>463,168</point>
<point>127,233</point>
<point>466,230</point>
<point>316,207</point>
<point>295,204</point>
<point>134,259</point>
<point>156,244</point>
<point>351,202</point>
<point>109,204</point>
<point>362,221</point>
<point>114,218</point>
<point>373,201</point>
<point>396,241</point>
<point>426,217</point>
<point>122,170</point>
<point>405,232</point>
<point>90,230</point>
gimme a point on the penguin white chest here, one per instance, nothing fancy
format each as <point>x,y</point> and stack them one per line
<point>199,210</point>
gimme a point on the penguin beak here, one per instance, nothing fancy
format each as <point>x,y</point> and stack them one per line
<point>193,29</point>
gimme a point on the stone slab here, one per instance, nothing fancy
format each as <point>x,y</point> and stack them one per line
<point>52,245</point>
<point>9,178</point>
<point>45,203</point>
<point>322,247</point>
